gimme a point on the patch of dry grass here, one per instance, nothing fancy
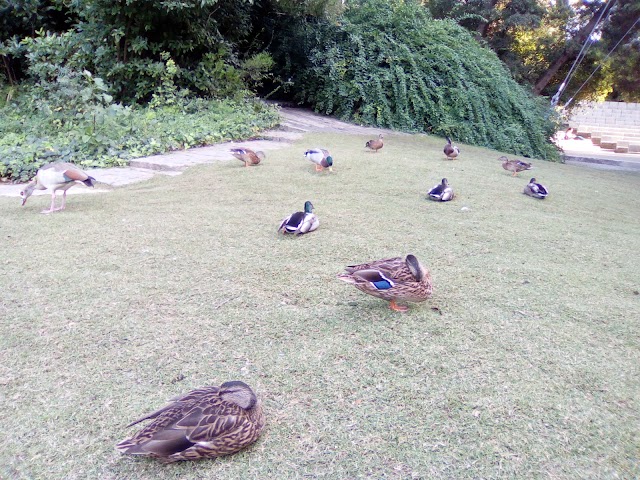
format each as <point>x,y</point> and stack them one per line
<point>529,370</point>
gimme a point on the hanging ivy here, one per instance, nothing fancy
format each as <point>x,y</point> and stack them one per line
<point>387,63</point>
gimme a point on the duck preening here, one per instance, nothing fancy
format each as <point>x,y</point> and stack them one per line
<point>535,190</point>
<point>300,223</point>
<point>320,157</point>
<point>205,423</point>
<point>391,279</point>
<point>442,192</point>
<point>450,150</point>
<point>248,156</point>
<point>375,144</point>
<point>56,176</point>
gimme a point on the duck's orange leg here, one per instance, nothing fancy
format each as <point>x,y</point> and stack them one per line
<point>398,308</point>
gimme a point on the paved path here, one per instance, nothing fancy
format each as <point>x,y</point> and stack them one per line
<point>295,123</point>
<point>585,153</point>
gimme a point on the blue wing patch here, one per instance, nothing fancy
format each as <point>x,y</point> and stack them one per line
<point>382,285</point>
<point>375,278</point>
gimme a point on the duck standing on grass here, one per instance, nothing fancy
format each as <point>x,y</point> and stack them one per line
<point>300,223</point>
<point>535,190</point>
<point>375,144</point>
<point>451,151</point>
<point>248,156</point>
<point>514,166</point>
<point>56,176</point>
<point>442,192</point>
<point>391,279</point>
<point>321,157</point>
<point>207,422</point>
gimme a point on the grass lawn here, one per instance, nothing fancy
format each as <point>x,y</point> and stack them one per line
<point>524,364</point>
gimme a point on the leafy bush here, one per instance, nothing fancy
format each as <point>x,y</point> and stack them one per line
<point>110,135</point>
<point>124,42</point>
<point>387,63</point>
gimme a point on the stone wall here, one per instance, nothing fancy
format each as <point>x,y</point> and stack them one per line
<point>613,126</point>
<point>606,114</point>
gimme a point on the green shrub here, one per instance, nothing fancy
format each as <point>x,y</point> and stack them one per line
<point>111,135</point>
<point>387,63</point>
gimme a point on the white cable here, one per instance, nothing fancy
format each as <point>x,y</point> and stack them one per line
<point>601,62</point>
<point>587,43</point>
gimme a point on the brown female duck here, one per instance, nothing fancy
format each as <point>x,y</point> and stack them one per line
<point>205,423</point>
<point>375,144</point>
<point>514,166</point>
<point>248,156</point>
<point>391,279</point>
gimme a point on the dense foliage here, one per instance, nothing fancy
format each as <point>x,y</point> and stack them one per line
<point>107,81</point>
<point>108,134</point>
<point>124,42</point>
<point>389,64</point>
<point>97,82</point>
<point>539,40</point>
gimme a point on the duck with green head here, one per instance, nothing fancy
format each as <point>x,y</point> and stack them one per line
<point>299,223</point>
<point>442,192</point>
<point>535,189</point>
<point>321,157</point>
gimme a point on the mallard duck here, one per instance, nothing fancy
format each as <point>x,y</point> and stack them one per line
<point>442,192</point>
<point>299,223</point>
<point>205,423</point>
<point>375,144</point>
<point>321,157</point>
<point>248,156</point>
<point>391,279</point>
<point>535,190</point>
<point>56,176</point>
<point>514,166</point>
<point>451,151</point>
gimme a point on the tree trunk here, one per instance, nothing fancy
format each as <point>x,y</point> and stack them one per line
<point>570,52</point>
<point>488,11</point>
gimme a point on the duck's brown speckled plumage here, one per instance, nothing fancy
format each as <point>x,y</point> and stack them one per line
<point>514,166</point>
<point>375,144</point>
<point>248,156</point>
<point>403,279</point>
<point>205,423</point>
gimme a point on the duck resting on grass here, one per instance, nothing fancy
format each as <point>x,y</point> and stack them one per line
<point>535,190</point>
<point>442,192</point>
<point>391,279</point>
<point>248,156</point>
<point>514,166</point>
<point>451,151</point>
<point>300,223</point>
<point>375,144</point>
<point>321,157</point>
<point>205,423</point>
<point>56,176</point>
